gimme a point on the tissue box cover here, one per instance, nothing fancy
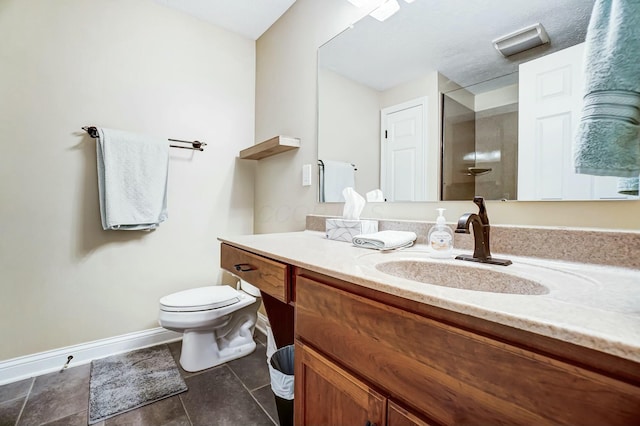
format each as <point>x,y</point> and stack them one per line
<point>345,230</point>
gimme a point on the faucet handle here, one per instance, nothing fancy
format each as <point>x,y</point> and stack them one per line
<point>479,201</point>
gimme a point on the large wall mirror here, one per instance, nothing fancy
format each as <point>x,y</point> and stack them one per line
<point>423,107</point>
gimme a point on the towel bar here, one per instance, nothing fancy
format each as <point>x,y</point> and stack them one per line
<point>321,197</point>
<point>195,145</point>
<point>321,165</point>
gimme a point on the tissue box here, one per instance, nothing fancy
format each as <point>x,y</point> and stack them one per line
<point>345,230</point>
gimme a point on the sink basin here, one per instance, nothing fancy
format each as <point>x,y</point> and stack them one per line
<point>461,276</point>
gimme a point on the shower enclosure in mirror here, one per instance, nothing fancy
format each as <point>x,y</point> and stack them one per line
<point>392,94</point>
<point>480,141</point>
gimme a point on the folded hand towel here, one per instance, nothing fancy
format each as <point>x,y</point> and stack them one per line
<point>628,186</point>
<point>385,240</point>
<point>338,175</point>
<point>608,138</point>
<point>132,180</point>
<point>375,196</point>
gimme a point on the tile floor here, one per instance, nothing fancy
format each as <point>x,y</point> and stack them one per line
<point>235,393</point>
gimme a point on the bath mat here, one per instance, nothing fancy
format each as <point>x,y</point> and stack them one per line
<point>121,383</point>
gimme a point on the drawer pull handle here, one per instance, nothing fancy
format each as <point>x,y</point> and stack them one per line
<point>244,267</point>
<point>368,423</point>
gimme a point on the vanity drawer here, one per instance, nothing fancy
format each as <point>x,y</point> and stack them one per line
<point>269,276</point>
<point>455,376</point>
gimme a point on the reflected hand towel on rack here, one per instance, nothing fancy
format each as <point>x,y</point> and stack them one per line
<point>132,180</point>
<point>338,175</point>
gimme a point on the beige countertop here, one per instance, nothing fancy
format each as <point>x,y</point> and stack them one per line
<point>589,305</point>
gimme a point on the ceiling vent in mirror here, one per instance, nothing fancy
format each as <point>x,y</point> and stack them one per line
<point>521,40</point>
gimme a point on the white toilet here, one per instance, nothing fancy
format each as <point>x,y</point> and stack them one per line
<point>217,322</point>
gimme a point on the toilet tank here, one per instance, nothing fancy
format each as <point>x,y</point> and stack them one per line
<point>249,289</point>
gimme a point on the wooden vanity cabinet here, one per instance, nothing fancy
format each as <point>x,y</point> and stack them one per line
<point>399,416</point>
<point>365,357</point>
<point>270,276</point>
<point>443,373</point>
<point>336,397</point>
<point>274,279</point>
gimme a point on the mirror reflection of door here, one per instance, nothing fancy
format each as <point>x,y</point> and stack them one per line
<point>550,101</point>
<point>403,151</point>
<point>550,104</point>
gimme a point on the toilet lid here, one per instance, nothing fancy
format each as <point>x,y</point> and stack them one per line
<point>200,299</point>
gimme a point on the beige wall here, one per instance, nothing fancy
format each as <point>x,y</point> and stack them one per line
<point>497,98</point>
<point>350,127</point>
<point>286,104</point>
<point>133,65</point>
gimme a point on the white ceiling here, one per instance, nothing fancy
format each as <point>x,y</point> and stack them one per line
<point>452,37</point>
<point>249,18</point>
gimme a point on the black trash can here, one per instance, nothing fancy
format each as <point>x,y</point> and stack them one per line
<point>281,372</point>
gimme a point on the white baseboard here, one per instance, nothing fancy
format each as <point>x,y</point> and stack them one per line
<point>46,362</point>
<point>262,323</point>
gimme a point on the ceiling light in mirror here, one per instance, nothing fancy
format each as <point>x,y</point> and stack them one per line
<point>385,11</point>
<point>366,3</point>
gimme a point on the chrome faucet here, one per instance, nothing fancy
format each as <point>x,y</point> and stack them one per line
<point>481,232</point>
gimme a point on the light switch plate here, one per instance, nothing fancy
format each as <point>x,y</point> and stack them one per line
<point>306,175</point>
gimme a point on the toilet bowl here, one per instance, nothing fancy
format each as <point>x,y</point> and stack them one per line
<point>217,323</point>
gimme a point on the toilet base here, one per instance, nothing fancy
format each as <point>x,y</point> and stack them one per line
<point>202,349</point>
<point>196,361</point>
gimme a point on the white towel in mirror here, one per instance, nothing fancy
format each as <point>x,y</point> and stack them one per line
<point>338,175</point>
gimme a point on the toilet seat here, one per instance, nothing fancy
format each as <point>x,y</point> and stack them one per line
<point>200,299</point>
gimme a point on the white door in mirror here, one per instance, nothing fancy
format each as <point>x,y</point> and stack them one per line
<point>403,154</point>
<point>550,93</point>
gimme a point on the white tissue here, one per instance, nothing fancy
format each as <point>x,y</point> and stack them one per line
<point>375,196</point>
<point>354,204</point>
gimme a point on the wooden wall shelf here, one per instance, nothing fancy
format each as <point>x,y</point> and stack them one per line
<point>270,147</point>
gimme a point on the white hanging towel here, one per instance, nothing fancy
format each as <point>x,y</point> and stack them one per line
<point>338,175</point>
<point>132,180</point>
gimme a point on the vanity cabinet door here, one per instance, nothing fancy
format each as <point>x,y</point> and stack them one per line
<point>399,416</point>
<point>326,394</point>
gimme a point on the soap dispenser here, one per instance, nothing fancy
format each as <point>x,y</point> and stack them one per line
<point>440,238</point>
